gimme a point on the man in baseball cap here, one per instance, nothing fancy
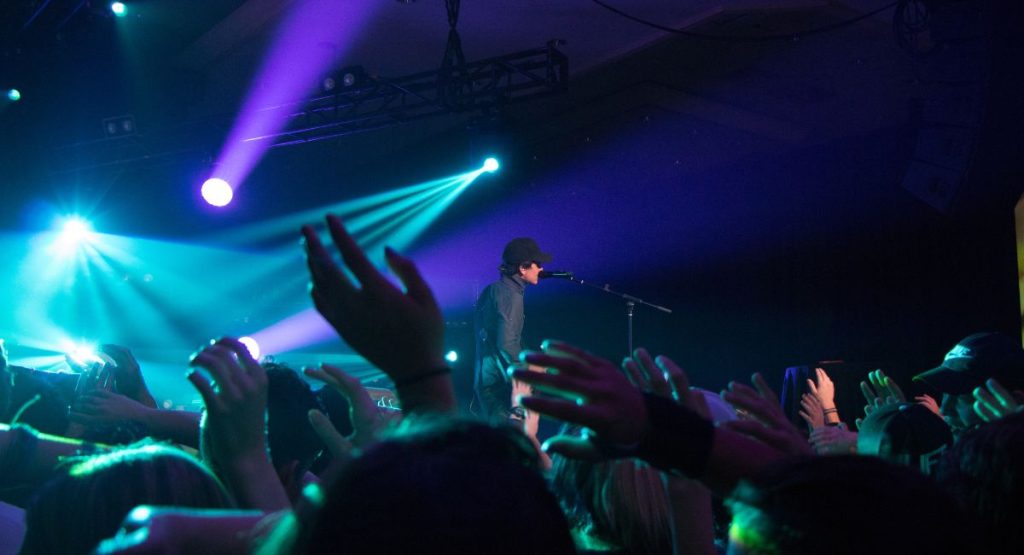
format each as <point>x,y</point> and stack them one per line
<point>968,365</point>
<point>499,326</point>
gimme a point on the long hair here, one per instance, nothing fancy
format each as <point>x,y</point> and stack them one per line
<point>91,497</point>
<point>619,502</point>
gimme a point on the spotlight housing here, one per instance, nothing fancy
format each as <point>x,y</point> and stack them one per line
<point>344,78</point>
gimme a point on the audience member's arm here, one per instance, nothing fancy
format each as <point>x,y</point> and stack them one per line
<point>236,420</point>
<point>689,500</point>
<point>400,333</point>
<point>592,392</point>
<point>164,530</point>
<point>28,457</point>
<point>106,407</point>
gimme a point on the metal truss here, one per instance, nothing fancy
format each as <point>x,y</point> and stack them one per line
<point>475,87</point>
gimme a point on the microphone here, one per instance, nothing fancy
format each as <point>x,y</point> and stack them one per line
<point>559,274</point>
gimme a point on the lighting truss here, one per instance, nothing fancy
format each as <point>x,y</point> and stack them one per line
<point>475,87</point>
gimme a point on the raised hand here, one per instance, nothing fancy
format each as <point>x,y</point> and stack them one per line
<point>823,388</point>
<point>236,405</point>
<point>879,391</point>
<point>929,402</point>
<point>765,420</point>
<point>590,391</point>
<point>994,401</point>
<point>646,375</point>
<point>400,333</point>
<point>811,410</point>
<point>340,447</point>
<point>363,411</point>
<point>662,376</point>
<point>127,375</point>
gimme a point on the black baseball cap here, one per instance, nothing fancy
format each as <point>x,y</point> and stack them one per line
<point>973,360</point>
<point>523,249</point>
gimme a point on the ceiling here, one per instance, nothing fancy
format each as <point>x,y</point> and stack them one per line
<point>170,63</point>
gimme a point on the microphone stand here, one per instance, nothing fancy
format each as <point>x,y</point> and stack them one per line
<point>631,303</point>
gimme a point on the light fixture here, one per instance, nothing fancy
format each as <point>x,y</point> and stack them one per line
<point>347,77</point>
<point>217,192</point>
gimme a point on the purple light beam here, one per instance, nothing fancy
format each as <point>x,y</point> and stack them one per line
<point>310,41</point>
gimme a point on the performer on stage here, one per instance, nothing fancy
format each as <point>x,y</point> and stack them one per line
<point>499,328</point>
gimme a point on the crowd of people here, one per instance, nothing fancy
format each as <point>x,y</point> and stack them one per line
<point>645,463</point>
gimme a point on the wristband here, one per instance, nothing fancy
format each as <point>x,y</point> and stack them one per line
<point>830,411</point>
<point>422,377</point>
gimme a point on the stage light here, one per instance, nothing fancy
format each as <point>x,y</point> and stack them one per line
<point>82,354</point>
<point>217,192</point>
<point>74,231</point>
<point>346,77</point>
<point>452,356</point>
<point>14,95</point>
<point>119,9</point>
<point>252,345</point>
<point>491,165</point>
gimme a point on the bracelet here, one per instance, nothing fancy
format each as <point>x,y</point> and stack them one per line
<point>422,377</point>
<point>830,411</point>
<point>517,413</point>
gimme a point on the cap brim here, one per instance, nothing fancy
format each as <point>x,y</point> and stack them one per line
<point>947,380</point>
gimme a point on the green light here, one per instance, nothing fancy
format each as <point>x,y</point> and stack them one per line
<point>119,9</point>
<point>491,165</point>
<point>452,356</point>
<point>14,95</point>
